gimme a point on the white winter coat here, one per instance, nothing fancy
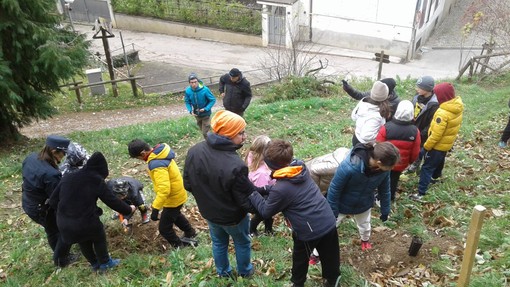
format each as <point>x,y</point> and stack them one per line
<point>368,121</point>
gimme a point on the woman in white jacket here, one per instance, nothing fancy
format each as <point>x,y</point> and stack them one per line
<point>370,114</point>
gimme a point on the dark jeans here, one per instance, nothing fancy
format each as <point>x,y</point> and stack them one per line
<point>48,220</point>
<point>394,179</point>
<point>169,217</point>
<point>506,132</point>
<point>329,252</point>
<point>96,249</point>
<point>432,168</point>
<point>257,219</point>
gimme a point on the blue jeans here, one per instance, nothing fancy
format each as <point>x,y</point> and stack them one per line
<point>432,168</point>
<point>242,244</point>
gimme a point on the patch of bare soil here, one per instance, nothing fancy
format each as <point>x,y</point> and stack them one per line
<point>388,263</point>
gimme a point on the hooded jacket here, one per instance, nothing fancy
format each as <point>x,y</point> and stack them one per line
<point>166,178</point>
<point>75,200</point>
<point>200,98</point>
<point>323,168</point>
<point>209,174</point>
<point>392,96</point>
<point>237,95</point>
<point>368,121</point>
<point>297,196</point>
<point>445,125</point>
<point>352,189</point>
<point>402,132</point>
<point>424,109</point>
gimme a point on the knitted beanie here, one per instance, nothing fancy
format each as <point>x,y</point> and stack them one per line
<point>425,83</point>
<point>444,92</point>
<point>405,111</point>
<point>379,92</point>
<point>227,123</point>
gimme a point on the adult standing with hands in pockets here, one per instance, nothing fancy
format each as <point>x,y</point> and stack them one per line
<point>199,102</point>
<point>236,91</point>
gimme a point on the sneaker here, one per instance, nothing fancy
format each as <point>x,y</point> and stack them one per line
<point>108,265</point>
<point>314,260</point>
<point>365,245</point>
<point>145,218</point>
<point>413,167</point>
<point>502,144</point>
<point>416,197</point>
<point>249,274</point>
<point>115,216</point>
<point>186,241</point>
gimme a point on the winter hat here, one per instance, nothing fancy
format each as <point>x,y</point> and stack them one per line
<point>444,92</point>
<point>405,111</point>
<point>390,82</point>
<point>192,76</point>
<point>97,163</point>
<point>57,142</point>
<point>425,83</point>
<point>234,72</point>
<point>227,123</point>
<point>76,155</point>
<point>379,92</point>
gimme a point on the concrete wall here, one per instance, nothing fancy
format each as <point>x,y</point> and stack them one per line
<point>184,30</point>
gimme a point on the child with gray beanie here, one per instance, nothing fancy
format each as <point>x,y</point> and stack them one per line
<point>425,105</point>
<point>370,114</point>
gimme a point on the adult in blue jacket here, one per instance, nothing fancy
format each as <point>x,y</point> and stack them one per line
<point>351,191</point>
<point>199,102</point>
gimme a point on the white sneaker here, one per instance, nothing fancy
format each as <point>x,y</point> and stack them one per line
<point>416,197</point>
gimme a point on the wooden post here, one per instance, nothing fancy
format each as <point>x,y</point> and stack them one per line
<point>471,67</point>
<point>78,94</point>
<point>108,57</point>
<point>471,244</point>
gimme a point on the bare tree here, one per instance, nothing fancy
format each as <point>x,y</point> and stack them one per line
<point>489,21</point>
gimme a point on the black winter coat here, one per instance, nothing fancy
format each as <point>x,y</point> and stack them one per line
<point>39,181</point>
<point>424,110</point>
<point>210,170</point>
<point>75,200</point>
<point>237,95</point>
<point>134,196</point>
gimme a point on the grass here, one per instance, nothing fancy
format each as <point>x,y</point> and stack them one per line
<point>477,173</point>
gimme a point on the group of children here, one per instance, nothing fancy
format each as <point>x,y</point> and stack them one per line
<point>314,197</point>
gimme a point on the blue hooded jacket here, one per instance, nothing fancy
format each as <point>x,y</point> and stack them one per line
<point>352,189</point>
<point>201,98</point>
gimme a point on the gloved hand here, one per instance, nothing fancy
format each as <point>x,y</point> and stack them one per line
<point>383,217</point>
<point>345,85</point>
<point>154,214</point>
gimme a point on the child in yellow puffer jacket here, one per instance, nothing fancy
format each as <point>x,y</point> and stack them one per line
<point>169,189</point>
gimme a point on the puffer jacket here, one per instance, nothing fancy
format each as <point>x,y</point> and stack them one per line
<point>445,125</point>
<point>368,121</point>
<point>166,178</point>
<point>299,199</point>
<point>237,95</point>
<point>201,98</point>
<point>323,168</point>
<point>352,189</point>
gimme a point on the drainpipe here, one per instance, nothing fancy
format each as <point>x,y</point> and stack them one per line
<point>412,45</point>
<point>310,34</point>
